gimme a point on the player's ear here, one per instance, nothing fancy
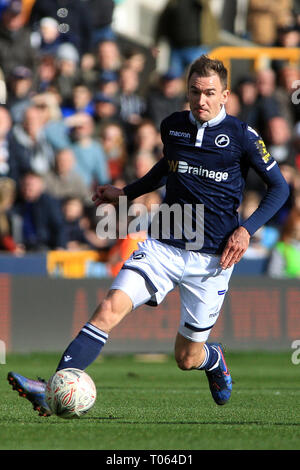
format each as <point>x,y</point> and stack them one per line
<point>225,95</point>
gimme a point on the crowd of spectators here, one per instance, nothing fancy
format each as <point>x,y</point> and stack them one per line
<point>77,111</point>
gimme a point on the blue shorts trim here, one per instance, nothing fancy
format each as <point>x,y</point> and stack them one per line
<point>151,303</point>
<point>198,330</point>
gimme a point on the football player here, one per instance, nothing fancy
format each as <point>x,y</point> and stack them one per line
<point>207,155</point>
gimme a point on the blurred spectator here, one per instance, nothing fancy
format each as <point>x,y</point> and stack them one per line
<point>278,139</point>
<point>88,72</point>
<point>288,93</point>
<point>54,128</point>
<point>285,258</point>
<point>297,145</point>
<point>9,165</point>
<point>108,56</point>
<point>15,44</point>
<point>47,38</point>
<point>7,199</point>
<point>296,11</point>
<point>232,16</point>
<point>276,93</point>
<point>233,105</point>
<point>74,20</point>
<point>247,92</point>
<point>147,139</point>
<point>30,143</point>
<point>297,188</point>
<point>74,227</point>
<point>265,17</point>
<point>190,28</point>
<point>46,72</point>
<point>108,83</point>
<point>150,202</point>
<point>165,98</point>
<point>132,106</point>
<point>288,36</point>
<point>63,181</point>
<point>91,161</point>
<point>296,199</point>
<point>3,5</point>
<point>266,237</point>
<point>40,215</point>
<point>101,12</point>
<point>289,173</point>
<point>19,92</point>
<point>68,73</point>
<point>90,223</point>
<point>266,105</point>
<point>144,160</point>
<point>266,82</point>
<point>113,141</point>
<point>106,110</point>
<point>81,101</point>
<point>135,59</point>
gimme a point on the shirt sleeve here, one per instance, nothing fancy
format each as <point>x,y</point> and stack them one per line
<point>154,179</point>
<point>266,167</point>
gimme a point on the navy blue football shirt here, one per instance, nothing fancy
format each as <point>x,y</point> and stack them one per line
<point>208,164</point>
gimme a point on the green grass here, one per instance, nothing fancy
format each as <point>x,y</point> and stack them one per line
<point>150,406</point>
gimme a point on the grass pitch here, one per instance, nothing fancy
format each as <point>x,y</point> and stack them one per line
<point>148,405</point>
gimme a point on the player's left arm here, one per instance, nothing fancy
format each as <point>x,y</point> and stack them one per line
<point>277,193</point>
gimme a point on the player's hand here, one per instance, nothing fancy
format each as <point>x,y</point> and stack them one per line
<point>235,247</point>
<point>107,194</point>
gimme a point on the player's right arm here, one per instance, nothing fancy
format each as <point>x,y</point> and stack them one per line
<point>154,179</point>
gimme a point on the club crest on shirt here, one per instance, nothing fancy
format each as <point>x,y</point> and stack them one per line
<point>261,147</point>
<point>222,140</point>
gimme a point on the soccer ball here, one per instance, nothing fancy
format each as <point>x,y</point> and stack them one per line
<point>70,393</point>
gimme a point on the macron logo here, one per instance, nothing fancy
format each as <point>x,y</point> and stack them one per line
<point>187,135</point>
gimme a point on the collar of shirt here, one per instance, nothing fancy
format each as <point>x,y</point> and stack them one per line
<point>212,122</point>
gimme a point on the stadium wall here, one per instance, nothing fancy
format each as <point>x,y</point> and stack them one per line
<point>44,314</point>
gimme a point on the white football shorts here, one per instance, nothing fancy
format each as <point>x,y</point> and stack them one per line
<point>156,268</point>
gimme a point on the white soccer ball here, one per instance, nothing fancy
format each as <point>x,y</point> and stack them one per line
<point>70,393</point>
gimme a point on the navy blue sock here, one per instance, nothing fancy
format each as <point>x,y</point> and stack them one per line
<point>84,349</point>
<point>211,357</point>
